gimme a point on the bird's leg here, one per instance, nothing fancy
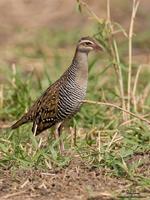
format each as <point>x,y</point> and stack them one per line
<point>75,136</point>
<point>58,130</point>
<point>34,129</point>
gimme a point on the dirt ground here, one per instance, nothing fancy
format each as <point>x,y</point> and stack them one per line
<point>76,182</point>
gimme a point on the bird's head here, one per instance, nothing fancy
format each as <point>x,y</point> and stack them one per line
<point>87,44</point>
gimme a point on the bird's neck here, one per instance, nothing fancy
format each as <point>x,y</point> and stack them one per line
<point>80,62</point>
<point>81,58</point>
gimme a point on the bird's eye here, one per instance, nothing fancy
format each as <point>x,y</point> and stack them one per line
<point>87,43</point>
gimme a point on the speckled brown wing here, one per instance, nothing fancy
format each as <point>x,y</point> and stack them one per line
<point>43,112</point>
<point>46,114</point>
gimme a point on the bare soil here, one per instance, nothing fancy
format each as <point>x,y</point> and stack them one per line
<point>76,181</point>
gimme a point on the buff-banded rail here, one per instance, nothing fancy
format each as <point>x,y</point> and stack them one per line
<point>62,100</point>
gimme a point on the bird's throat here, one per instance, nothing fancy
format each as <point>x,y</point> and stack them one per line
<point>81,58</point>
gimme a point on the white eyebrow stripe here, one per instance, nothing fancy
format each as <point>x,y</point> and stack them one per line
<point>83,41</point>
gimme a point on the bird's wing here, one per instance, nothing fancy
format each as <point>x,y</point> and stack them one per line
<point>46,106</point>
<point>45,115</point>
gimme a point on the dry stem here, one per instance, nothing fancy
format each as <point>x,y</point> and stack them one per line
<point>135,87</point>
<point>115,106</point>
<point>90,11</point>
<point>134,10</point>
<point>117,58</point>
<point>1,96</point>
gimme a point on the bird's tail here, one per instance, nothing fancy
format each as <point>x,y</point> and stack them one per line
<point>20,122</point>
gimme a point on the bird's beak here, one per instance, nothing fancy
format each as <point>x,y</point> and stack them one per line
<point>97,47</point>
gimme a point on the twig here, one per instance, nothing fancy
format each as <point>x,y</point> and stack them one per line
<point>134,10</point>
<point>108,10</point>
<point>99,146</point>
<point>40,143</point>
<point>135,87</point>
<point>14,75</point>
<point>90,11</point>
<point>145,94</point>
<point>5,126</point>
<point>117,58</point>
<point>115,106</point>
<point>24,184</point>
<point>14,194</point>
<point>111,142</point>
<point>1,96</point>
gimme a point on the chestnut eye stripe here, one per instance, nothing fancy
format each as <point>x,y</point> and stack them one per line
<point>87,42</point>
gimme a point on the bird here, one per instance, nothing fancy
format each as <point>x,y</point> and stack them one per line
<point>63,99</point>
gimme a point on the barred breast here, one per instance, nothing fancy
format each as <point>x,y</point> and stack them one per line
<point>71,95</point>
